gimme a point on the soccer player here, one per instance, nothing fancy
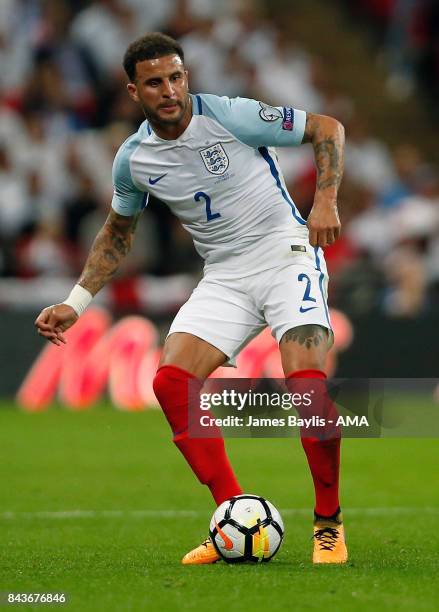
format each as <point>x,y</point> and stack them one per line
<point>210,159</point>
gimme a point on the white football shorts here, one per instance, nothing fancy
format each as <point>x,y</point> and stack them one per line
<point>282,283</point>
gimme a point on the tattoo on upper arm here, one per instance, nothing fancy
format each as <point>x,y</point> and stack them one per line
<point>309,128</point>
<point>135,221</point>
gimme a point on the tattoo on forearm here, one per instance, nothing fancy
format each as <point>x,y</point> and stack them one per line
<point>306,335</point>
<point>120,244</point>
<point>111,245</point>
<point>110,256</point>
<point>327,137</point>
<point>327,156</point>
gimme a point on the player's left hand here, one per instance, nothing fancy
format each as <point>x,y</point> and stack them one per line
<point>323,223</point>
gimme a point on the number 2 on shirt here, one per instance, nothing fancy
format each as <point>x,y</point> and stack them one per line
<point>209,214</point>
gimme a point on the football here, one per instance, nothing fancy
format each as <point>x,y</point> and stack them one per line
<point>246,528</point>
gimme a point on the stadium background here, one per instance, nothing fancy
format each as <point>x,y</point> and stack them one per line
<point>64,112</point>
<point>374,65</point>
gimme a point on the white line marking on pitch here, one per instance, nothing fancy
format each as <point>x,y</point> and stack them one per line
<point>171,514</point>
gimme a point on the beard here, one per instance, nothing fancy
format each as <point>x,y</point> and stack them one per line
<point>154,117</point>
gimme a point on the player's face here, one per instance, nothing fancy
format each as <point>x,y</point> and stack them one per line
<point>161,89</point>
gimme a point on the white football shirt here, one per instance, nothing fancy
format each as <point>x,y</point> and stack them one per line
<point>221,177</point>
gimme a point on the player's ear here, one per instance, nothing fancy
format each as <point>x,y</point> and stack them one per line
<point>132,92</point>
<point>186,74</point>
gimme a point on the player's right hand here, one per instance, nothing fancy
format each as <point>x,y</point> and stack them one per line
<point>54,320</point>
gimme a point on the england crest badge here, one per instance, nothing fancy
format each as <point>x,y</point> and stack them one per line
<point>215,159</point>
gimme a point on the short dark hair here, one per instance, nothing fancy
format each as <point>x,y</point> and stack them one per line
<point>150,46</point>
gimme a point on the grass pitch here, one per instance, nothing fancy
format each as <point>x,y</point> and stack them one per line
<point>101,506</point>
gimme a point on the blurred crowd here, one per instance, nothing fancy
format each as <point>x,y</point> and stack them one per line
<point>407,33</point>
<point>64,111</point>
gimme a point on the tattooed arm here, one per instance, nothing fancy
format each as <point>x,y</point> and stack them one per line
<point>327,137</point>
<point>109,248</point>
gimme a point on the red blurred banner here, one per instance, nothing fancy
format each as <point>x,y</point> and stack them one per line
<point>122,360</point>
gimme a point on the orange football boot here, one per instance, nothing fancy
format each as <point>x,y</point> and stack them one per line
<point>204,553</point>
<point>329,541</point>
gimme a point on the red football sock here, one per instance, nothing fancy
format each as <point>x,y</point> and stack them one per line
<point>323,454</point>
<point>206,456</point>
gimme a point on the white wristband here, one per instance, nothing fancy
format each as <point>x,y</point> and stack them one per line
<point>79,299</point>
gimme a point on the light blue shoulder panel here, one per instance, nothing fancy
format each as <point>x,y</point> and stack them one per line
<point>127,198</point>
<point>255,123</point>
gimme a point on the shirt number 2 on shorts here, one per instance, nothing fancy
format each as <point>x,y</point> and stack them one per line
<point>307,295</point>
<point>210,216</point>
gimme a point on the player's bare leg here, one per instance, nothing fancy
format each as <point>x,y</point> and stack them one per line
<point>303,352</point>
<point>189,358</point>
<point>192,354</point>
